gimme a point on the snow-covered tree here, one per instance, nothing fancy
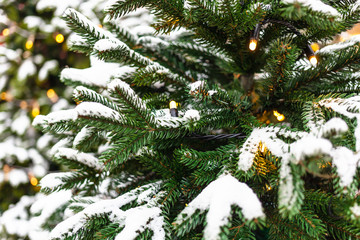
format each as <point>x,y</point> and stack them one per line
<point>260,139</point>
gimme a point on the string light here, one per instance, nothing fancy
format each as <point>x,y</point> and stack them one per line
<point>173,109</point>
<point>35,111</point>
<point>34,181</point>
<point>51,94</point>
<point>59,38</point>
<point>310,55</point>
<point>255,37</point>
<point>5,32</point>
<point>29,44</point>
<point>3,96</point>
<point>313,60</point>
<point>280,117</point>
<point>253,44</point>
<point>315,47</point>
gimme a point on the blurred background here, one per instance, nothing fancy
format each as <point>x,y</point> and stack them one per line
<point>33,50</point>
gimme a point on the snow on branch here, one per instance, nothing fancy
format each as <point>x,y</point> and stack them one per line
<point>81,157</point>
<point>54,180</point>
<point>85,23</point>
<point>93,109</point>
<point>305,145</point>
<point>218,198</point>
<point>350,108</point>
<point>135,220</point>
<point>317,6</point>
<point>98,75</point>
<point>124,89</point>
<point>84,109</point>
<point>339,46</point>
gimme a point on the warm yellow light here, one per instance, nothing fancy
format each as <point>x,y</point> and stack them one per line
<point>100,26</point>
<point>50,93</point>
<point>3,96</point>
<point>6,32</point>
<point>280,118</point>
<point>313,60</point>
<point>276,113</point>
<point>268,187</point>
<point>35,111</point>
<point>173,104</point>
<point>34,181</point>
<point>253,44</point>
<point>59,38</point>
<point>315,47</point>
<point>29,44</point>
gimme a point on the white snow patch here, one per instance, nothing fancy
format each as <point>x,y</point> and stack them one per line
<point>53,180</point>
<point>118,84</point>
<point>192,114</point>
<point>339,46</point>
<point>196,85</point>
<point>345,162</point>
<point>110,44</point>
<point>26,69</point>
<point>218,197</point>
<point>81,157</point>
<point>96,110</point>
<point>47,67</point>
<point>110,206</point>
<point>20,124</point>
<point>316,5</point>
<point>17,177</point>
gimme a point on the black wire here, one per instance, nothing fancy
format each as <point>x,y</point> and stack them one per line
<point>217,137</point>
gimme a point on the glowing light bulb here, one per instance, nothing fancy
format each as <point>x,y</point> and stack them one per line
<point>6,32</point>
<point>50,93</point>
<point>276,113</point>
<point>315,47</point>
<point>280,118</point>
<point>59,38</point>
<point>35,111</point>
<point>253,44</point>
<point>34,181</point>
<point>3,96</point>
<point>173,109</point>
<point>313,60</point>
<point>173,104</point>
<point>29,44</point>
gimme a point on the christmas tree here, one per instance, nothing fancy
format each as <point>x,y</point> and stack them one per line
<point>220,123</point>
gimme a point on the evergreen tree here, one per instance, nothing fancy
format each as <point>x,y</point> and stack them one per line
<point>260,139</point>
